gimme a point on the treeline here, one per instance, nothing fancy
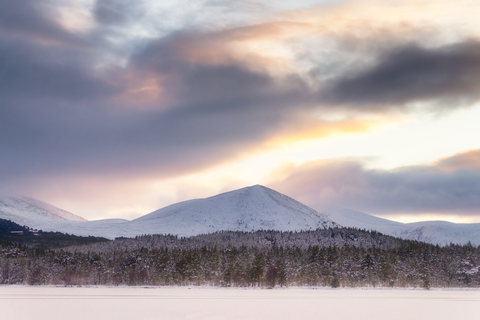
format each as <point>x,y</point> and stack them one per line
<point>333,237</point>
<point>198,261</point>
<point>40,239</point>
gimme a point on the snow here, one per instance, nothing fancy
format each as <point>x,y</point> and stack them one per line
<point>248,209</point>
<point>444,233</point>
<point>78,303</point>
<point>356,219</point>
<point>435,232</point>
<point>35,213</point>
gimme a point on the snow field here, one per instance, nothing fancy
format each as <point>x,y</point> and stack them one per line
<point>78,303</point>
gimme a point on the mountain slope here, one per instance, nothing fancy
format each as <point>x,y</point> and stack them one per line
<point>442,232</point>
<point>434,232</point>
<point>33,213</point>
<point>355,219</point>
<point>248,209</point>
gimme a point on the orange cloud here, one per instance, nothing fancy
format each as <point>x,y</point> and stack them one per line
<point>465,160</point>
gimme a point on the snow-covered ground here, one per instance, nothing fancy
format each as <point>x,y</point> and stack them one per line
<point>75,303</point>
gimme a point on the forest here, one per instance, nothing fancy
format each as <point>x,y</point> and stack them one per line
<point>338,257</point>
<point>38,238</point>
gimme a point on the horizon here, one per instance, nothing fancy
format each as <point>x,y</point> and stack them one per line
<point>114,109</point>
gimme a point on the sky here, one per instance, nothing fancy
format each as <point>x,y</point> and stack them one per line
<point>116,108</point>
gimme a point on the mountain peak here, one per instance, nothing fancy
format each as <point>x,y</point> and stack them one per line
<point>247,209</point>
<point>253,188</point>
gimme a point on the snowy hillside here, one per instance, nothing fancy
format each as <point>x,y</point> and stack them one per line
<point>356,219</point>
<point>442,232</point>
<point>435,232</point>
<point>33,213</point>
<point>248,209</point>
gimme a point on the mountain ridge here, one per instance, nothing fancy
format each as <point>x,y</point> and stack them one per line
<point>247,209</point>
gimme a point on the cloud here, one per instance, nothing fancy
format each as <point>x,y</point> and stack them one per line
<point>447,75</point>
<point>468,160</point>
<point>99,103</point>
<point>62,118</point>
<point>110,12</point>
<point>212,98</point>
<point>412,190</point>
<point>119,12</point>
<point>201,69</point>
<point>31,71</point>
<point>36,20</point>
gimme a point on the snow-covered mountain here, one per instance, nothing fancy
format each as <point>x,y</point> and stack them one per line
<point>248,209</point>
<point>34,213</point>
<point>442,232</point>
<point>435,232</point>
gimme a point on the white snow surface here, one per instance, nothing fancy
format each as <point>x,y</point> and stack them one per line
<point>435,232</point>
<point>34,213</point>
<point>248,209</point>
<point>203,303</point>
<point>442,232</point>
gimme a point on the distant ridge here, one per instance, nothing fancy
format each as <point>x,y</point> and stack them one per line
<point>33,213</point>
<point>435,232</point>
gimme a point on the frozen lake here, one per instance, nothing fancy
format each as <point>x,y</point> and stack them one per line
<point>52,303</point>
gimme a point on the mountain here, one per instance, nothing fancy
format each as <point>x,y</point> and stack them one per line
<point>34,213</point>
<point>360,220</point>
<point>40,215</point>
<point>248,209</point>
<point>442,232</point>
<point>434,232</point>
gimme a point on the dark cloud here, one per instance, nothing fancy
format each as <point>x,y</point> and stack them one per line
<point>407,190</point>
<point>411,73</point>
<point>64,118</point>
<point>36,20</point>
<point>107,12</point>
<point>118,12</point>
<point>200,131</point>
<point>223,85</point>
<point>32,71</point>
<point>398,76</point>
